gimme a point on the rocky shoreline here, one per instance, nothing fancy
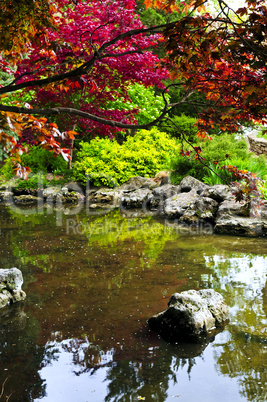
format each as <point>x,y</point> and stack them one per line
<point>189,203</point>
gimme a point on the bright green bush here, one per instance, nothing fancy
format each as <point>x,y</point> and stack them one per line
<point>106,162</point>
<point>39,159</point>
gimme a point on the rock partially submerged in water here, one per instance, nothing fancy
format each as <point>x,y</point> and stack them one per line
<point>11,281</point>
<point>191,316</point>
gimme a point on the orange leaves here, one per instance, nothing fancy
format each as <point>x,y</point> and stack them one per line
<point>203,135</point>
<point>44,132</point>
<point>168,5</point>
<point>71,134</point>
<point>194,5</point>
<point>21,171</point>
<point>20,22</point>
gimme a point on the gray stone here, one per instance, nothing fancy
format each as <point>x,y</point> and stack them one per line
<point>230,207</point>
<point>104,198</point>
<point>218,192</point>
<point>6,196</point>
<point>136,199</point>
<point>11,281</point>
<point>189,184</point>
<point>4,187</point>
<point>191,316</point>
<point>257,145</point>
<point>135,183</point>
<point>72,197</point>
<point>202,208</point>
<point>176,206</point>
<point>51,193</point>
<point>62,195</point>
<point>161,193</point>
<point>26,199</point>
<point>238,225</point>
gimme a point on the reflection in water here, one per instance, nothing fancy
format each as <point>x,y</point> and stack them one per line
<point>81,334</point>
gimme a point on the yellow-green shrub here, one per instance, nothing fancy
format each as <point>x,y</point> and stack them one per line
<point>106,162</point>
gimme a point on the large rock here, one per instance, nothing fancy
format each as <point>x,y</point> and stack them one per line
<point>11,281</point>
<point>136,199</point>
<point>161,193</point>
<point>135,183</point>
<point>191,316</point>
<point>26,199</point>
<point>104,198</point>
<point>231,207</point>
<point>189,184</point>
<point>61,195</point>
<point>6,196</point>
<point>238,225</point>
<point>202,208</point>
<point>218,192</point>
<point>50,193</point>
<point>177,205</point>
<point>242,218</point>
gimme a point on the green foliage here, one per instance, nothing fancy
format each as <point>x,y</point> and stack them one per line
<point>39,159</point>
<point>257,165</point>
<point>223,150</point>
<point>106,162</point>
<point>262,134</point>
<point>186,127</point>
<point>224,147</point>
<point>6,171</point>
<point>254,164</point>
<point>144,99</point>
<point>216,175</point>
<point>182,166</point>
<point>36,181</point>
<point>263,189</point>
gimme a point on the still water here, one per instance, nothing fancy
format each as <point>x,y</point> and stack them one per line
<point>91,284</point>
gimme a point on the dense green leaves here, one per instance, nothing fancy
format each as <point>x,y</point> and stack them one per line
<point>106,162</point>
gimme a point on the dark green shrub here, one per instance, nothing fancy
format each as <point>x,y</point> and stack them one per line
<point>185,126</point>
<point>36,181</point>
<point>106,162</point>
<point>182,166</point>
<point>42,160</point>
<point>6,171</point>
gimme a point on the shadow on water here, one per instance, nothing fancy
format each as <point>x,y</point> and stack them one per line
<point>93,281</point>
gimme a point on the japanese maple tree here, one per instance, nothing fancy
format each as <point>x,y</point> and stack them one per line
<point>96,65</point>
<point>81,61</point>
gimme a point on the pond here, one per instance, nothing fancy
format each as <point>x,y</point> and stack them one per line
<point>92,281</point>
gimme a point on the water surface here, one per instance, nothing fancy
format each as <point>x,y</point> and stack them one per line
<point>91,284</point>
